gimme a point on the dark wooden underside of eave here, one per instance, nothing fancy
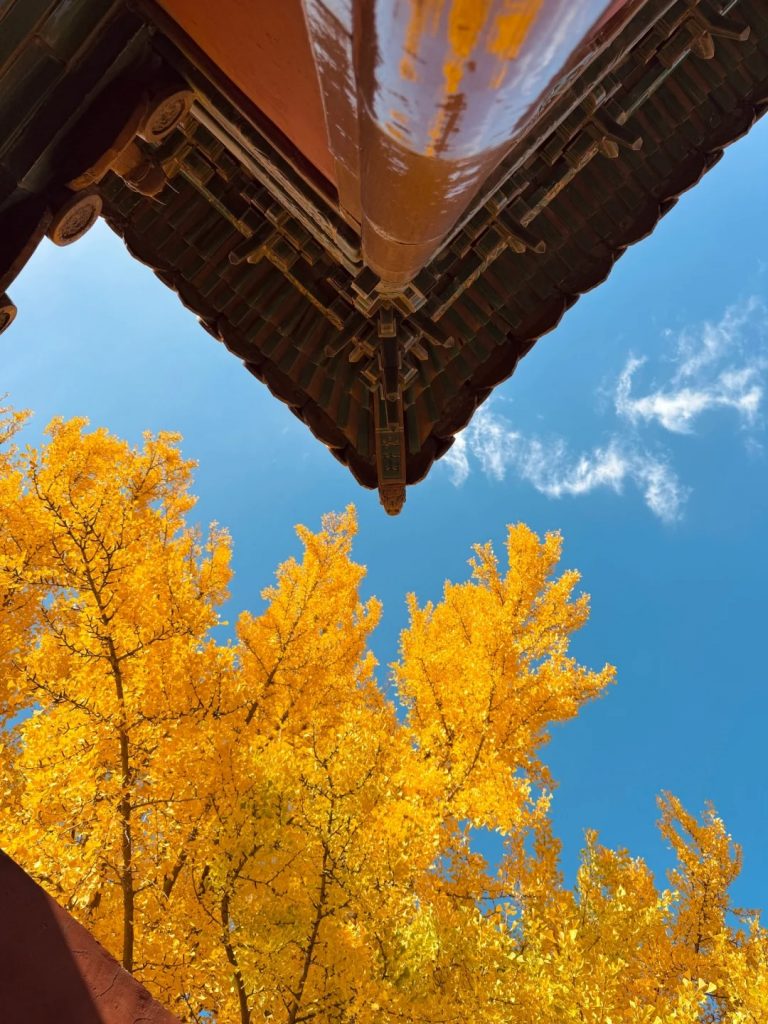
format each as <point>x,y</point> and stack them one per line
<point>295,316</point>
<point>283,338</point>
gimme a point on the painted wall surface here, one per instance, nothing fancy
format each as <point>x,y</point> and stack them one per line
<point>263,47</point>
<point>52,971</point>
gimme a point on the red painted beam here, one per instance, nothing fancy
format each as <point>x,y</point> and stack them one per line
<point>52,971</point>
<point>445,87</point>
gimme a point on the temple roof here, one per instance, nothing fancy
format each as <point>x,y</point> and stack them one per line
<point>254,242</point>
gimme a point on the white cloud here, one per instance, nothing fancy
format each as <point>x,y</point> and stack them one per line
<point>717,366</point>
<point>677,409</point>
<point>456,460</point>
<point>664,494</point>
<point>709,343</point>
<point>551,470</point>
<point>713,367</point>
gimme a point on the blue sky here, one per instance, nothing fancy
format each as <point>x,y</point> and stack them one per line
<point>638,429</point>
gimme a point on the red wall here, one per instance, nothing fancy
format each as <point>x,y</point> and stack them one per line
<point>52,971</point>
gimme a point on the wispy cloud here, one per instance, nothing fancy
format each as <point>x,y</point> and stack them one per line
<point>716,366</point>
<point>457,461</point>
<point>553,470</point>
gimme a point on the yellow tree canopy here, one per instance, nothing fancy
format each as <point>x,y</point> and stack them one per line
<point>259,834</point>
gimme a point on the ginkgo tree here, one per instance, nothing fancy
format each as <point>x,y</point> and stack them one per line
<point>258,833</point>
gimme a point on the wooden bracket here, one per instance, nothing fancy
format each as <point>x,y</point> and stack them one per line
<point>77,214</point>
<point>150,120</point>
<point>390,452</point>
<point>612,137</point>
<point>165,110</point>
<point>7,312</point>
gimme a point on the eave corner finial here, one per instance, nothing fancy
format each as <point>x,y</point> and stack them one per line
<point>392,497</point>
